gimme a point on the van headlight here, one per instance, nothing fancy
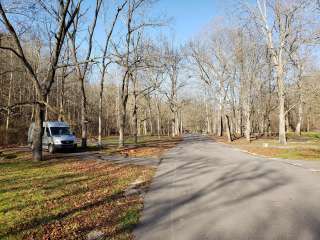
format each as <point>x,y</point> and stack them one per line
<point>56,141</point>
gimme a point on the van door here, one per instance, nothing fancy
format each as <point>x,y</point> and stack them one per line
<point>45,137</point>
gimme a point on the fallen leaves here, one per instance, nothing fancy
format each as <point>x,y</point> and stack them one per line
<point>151,148</point>
<point>143,152</point>
<point>67,199</point>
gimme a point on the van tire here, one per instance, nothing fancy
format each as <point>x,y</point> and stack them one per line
<point>51,148</point>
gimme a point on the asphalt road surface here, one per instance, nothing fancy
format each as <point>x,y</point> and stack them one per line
<point>206,190</point>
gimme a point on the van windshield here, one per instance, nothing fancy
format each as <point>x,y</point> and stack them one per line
<point>56,131</point>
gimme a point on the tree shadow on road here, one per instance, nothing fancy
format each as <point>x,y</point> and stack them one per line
<point>215,193</point>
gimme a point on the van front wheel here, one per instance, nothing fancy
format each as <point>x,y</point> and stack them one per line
<point>51,148</point>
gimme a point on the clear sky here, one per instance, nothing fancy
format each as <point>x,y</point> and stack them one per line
<point>189,16</point>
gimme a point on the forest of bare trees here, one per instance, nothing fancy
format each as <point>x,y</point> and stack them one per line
<point>262,73</point>
<point>99,67</point>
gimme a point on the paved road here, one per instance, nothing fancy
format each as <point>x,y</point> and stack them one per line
<point>206,190</point>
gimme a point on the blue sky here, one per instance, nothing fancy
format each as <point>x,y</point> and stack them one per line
<point>189,16</point>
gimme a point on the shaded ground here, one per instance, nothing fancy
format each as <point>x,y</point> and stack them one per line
<point>206,190</point>
<point>67,199</point>
<point>70,195</point>
<point>305,147</point>
<point>148,146</point>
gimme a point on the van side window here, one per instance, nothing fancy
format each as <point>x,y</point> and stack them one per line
<point>48,132</point>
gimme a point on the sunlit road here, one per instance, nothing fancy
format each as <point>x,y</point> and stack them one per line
<point>205,190</point>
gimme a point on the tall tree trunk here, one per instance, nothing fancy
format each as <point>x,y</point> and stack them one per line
<point>122,125</point>
<point>83,116</point>
<point>220,134</point>
<point>123,109</point>
<point>145,127</point>
<point>38,132</point>
<point>300,114</point>
<point>282,121</point>
<point>100,106</point>
<point>228,128</point>
<point>61,102</point>
<point>150,116</point>
<point>139,127</point>
<point>9,101</point>
<point>46,109</point>
<point>135,120</point>
<point>247,120</point>
<point>173,131</point>
<point>287,123</point>
<point>282,114</point>
<point>220,118</point>
<point>100,118</point>
<point>177,123</point>
<point>214,122</point>
<point>181,123</point>
<point>158,120</point>
<point>208,122</point>
<point>269,130</point>
<point>240,120</point>
<point>266,120</point>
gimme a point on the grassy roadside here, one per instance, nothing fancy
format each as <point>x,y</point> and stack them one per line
<point>70,198</point>
<point>304,147</point>
<point>148,146</point>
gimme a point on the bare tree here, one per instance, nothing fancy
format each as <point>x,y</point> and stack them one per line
<point>82,67</point>
<point>285,19</point>
<point>128,60</point>
<point>64,16</point>
<point>173,66</point>
<point>104,66</point>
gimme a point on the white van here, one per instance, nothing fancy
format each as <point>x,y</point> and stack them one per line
<point>56,135</point>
